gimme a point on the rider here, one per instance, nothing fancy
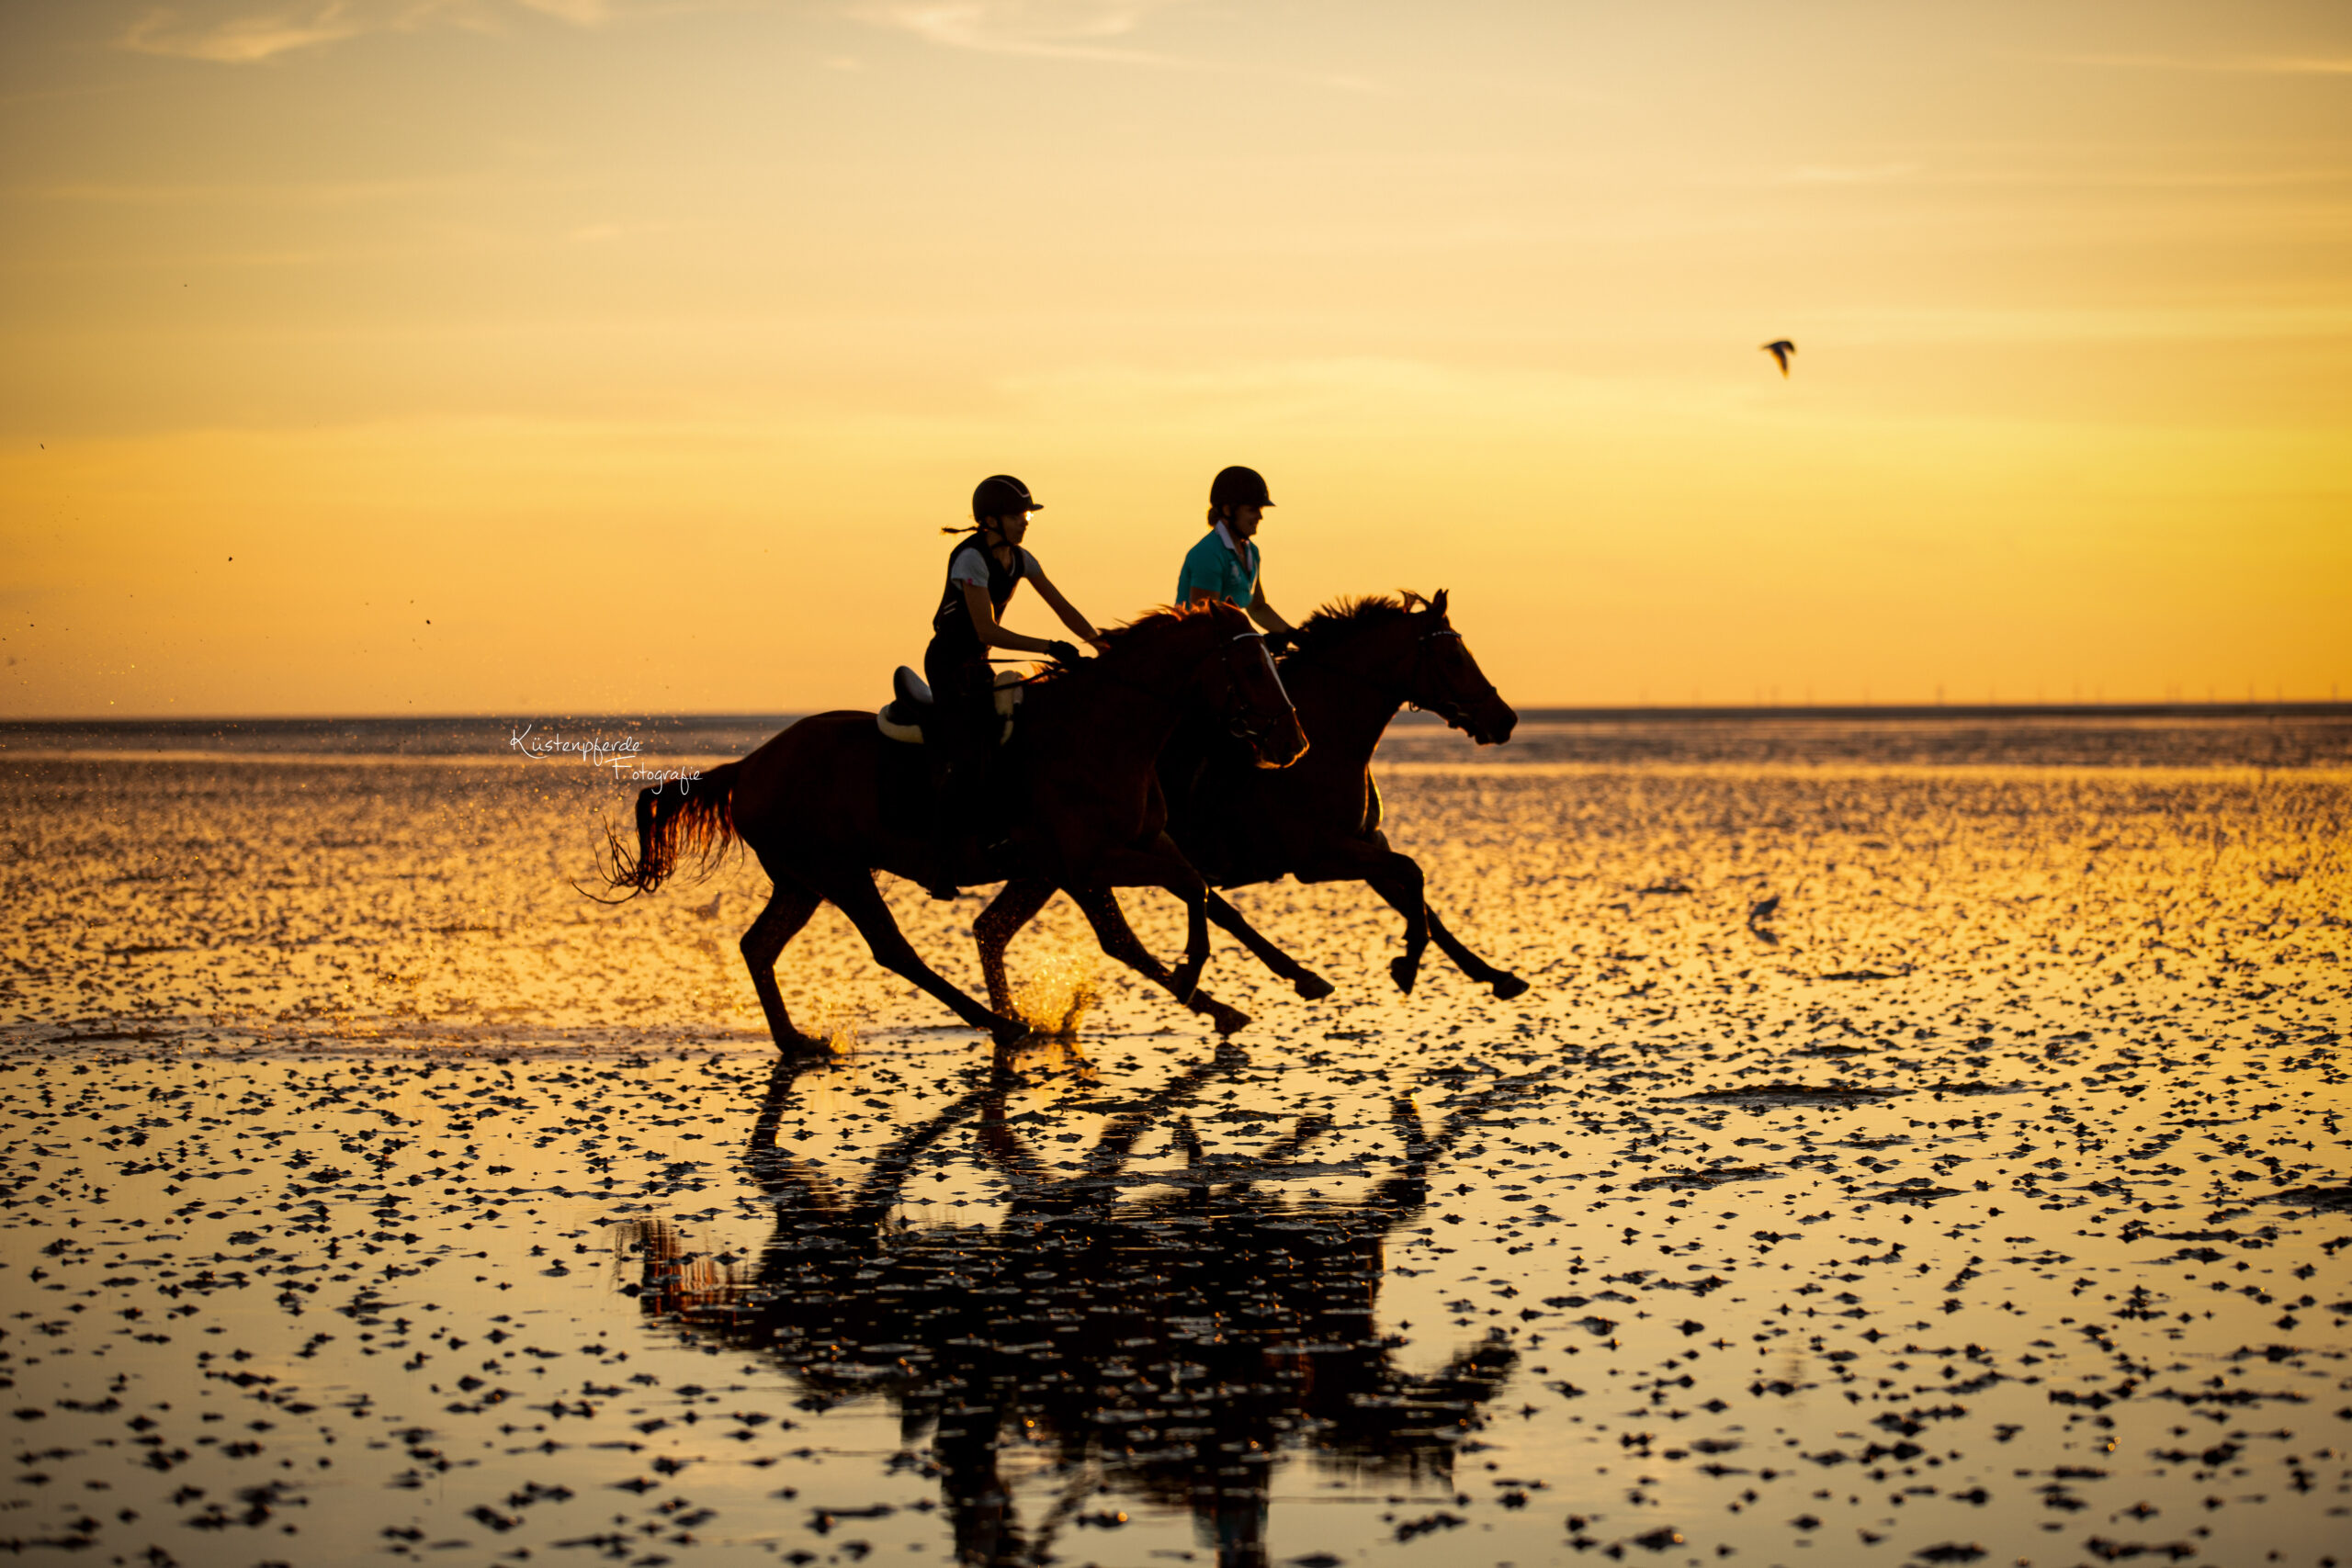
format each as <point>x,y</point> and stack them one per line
<point>983,569</point>
<point>1224,564</point>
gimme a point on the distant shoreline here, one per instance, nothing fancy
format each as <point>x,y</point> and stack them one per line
<point>1668,713</point>
<point>2275,736</point>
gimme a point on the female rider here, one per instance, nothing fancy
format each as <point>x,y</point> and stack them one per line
<point>983,569</point>
<point>1224,563</point>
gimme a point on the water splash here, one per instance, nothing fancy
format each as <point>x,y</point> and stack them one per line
<point>1055,996</point>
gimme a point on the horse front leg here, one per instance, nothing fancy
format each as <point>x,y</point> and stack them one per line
<point>1159,864</point>
<point>1118,940</point>
<point>1307,983</point>
<point>854,895</point>
<point>1187,885</point>
<point>1395,877</point>
<point>1506,984</point>
<point>1011,909</point>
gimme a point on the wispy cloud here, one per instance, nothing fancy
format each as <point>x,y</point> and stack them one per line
<point>239,32</point>
<point>2248,65</point>
<point>1070,29</point>
<point>243,32</point>
<point>1063,29</point>
<point>241,35</point>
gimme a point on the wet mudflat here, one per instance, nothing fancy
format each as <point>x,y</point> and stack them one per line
<point>371,1195</point>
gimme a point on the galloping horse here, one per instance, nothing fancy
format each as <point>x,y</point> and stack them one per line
<point>1357,662</point>
<point>830,800</point>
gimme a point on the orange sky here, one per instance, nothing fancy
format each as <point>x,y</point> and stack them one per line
<point>616,355</point>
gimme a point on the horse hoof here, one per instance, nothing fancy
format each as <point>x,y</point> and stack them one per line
<point>1009,1032</point>
<point>1228,1022</point>
<point>1184,985</point>
<point>1510,986</point>
<point>1404,971</point>
<point>803,1045</point>
<point>1314,987</point>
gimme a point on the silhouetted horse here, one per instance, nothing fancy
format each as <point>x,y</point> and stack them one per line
<point>1356,663</point>
<point>829,800</point>
<point>1171,1348</point>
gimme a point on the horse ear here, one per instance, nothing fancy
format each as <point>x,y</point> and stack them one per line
<point>1437,605</point>
<point>1410,599</point>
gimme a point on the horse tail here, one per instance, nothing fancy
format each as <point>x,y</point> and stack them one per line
<point>677,819</point>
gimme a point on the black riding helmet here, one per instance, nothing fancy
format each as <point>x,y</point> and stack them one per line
<point>1001,495</point>
<point>1239,486</point>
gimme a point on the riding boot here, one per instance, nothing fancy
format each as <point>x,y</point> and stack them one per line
<point>959,796</point>
<point>950,843</point>
<point>960,739</point>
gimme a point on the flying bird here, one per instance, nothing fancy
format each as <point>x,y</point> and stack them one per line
<point>1779,350</point>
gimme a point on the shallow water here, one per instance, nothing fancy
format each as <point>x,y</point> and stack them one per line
<point>370,1193</point>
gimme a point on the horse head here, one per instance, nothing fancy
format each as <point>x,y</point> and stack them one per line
<point>1243,685</point>
<point>1445,680</point>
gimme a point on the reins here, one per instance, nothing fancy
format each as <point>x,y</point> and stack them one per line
<point>1236,721</point>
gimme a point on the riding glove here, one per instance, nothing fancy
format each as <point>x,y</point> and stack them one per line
<point>1062,652</point>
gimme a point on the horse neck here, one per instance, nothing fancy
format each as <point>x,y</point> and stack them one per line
<point>1131,703</point>
<point>1345,708</point>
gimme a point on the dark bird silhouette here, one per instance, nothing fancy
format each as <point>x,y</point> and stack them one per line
<point>1779,349</point>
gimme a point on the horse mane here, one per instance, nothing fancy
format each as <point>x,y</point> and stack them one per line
<point>1141,628</point>
<point>1342,618</point>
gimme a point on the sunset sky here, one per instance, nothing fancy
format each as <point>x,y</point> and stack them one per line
<point>424,356</point>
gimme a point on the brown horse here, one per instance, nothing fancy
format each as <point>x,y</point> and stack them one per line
<point>830,800</point>
<point>1356,663</point>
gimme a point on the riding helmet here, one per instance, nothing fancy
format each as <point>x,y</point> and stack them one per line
<point>1001,495</point>
<point>1239,486</point>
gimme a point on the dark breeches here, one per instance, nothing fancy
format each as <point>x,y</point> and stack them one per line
<point>964,716</point>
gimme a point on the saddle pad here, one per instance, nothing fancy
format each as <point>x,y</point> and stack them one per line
<point>1009,693</point>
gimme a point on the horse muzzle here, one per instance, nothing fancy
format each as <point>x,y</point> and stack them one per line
<point>1492,724</point>
<point>1282,749</point>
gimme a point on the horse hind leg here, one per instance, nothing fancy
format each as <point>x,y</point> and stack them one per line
<point>854,895</point>
<point>1118,940</point>
<point>1012,908</point>
<point>1506,984</point>
<point>787,910</point>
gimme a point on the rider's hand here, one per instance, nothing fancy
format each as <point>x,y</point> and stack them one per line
<point>1062,652</point>
<point>1281,642</point>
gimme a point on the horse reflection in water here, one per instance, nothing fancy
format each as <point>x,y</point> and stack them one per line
<point>1170,1348</point>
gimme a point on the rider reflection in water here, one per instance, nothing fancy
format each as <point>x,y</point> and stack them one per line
<point>983,570</point>
<point>1174,1335</point>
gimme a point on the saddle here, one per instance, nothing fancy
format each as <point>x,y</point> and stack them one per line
<point>902,719</point>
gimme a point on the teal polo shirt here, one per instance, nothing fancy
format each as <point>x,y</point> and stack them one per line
<point>1211,565</point>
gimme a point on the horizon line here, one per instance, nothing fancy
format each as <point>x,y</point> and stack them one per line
<point>1557,713</point>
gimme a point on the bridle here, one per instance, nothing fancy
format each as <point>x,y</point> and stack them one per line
<point>1236,707</point>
